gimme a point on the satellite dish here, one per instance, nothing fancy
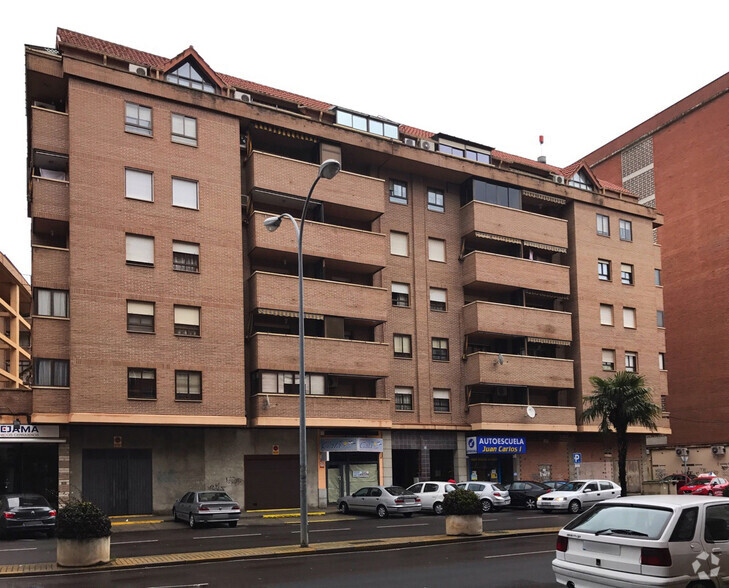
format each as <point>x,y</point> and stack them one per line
<point>531,413</point>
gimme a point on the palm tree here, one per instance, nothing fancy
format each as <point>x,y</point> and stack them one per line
<point>620,402</point>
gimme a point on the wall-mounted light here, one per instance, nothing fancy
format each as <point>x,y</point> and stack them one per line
<point>499,360</point>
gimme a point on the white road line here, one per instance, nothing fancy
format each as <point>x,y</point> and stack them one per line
<point>20,549</point>
<point>535,517</point>
<point>226,536</point>
<point>323,530</point>
<point>518,554</point>
<point>489,520</point>
<point>127,542</point>
<point>395,526</point>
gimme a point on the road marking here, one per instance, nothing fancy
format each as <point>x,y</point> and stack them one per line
<point>411,525</point>
<point>20,549</point>
<point>489,520</point>
<point>535,517</point>
<point>226,536</point>
<point>144,541</point>
<point>518,554</point>
<point>323,530</point>
<point>319,521</point>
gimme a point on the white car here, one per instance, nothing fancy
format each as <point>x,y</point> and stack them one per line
<point>431,494</point>
<point>493,496</point>
<point>577,495</point>
<point>647,541</point>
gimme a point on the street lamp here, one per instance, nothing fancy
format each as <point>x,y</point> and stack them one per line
<point>327,170</point>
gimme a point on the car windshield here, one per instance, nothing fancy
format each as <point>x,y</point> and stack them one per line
<point>616,519</point>
<point>214,497</point>
<point>26,501</point>
<point>700,481</point>
<point>571,486</point>
<point>397,490</point>
<point>500,487</point>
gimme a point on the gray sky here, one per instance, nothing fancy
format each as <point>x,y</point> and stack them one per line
<point>499,73</point>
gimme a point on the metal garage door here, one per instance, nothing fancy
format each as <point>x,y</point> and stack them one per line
<point>271,481</point>
<point>119,481</point>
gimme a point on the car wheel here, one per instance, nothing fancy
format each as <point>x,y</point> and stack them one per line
<point>343,507</point>
<point>232,523</point>
<point>531,503</point>
<point>174,515</point>
<point>486,505</point>
<point>407,515</point>
<point>191,521</point>
<point>438,508</point>
<point>574,507</point>
<point>382,511</point>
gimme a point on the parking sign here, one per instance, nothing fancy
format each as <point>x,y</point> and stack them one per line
<point>577,458</point>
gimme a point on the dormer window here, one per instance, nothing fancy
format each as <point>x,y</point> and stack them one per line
<point>581,181</point>
<point>188,76</point>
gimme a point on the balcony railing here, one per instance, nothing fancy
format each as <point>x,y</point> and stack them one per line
<point>50,265</point>
<point>491,317</point>
<point>49,130</point>
<point>518,370</point>
<point>491,268</point>
<point>49,198</point>
<point>514,417</point>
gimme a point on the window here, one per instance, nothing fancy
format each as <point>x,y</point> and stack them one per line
<point>51,372</point>
<point>399,244</point>
<point>402,344</point>
<point>686,526</point>
<point>603,225</point>
<point>661,360</point>
<point>51,302</point>
<point>631,361</point>
<point>436,249</point>
<point>138,119</point>
<point>657,276</point>
<point>440,349</point>
<point>626,274</point>
<point>437,299</point>
<point>629,317</point>
<point>188,385</point>
<point>400,294</point>
<point>141,383</point>
<point>441,401</point>
<point>626,230</point>
<point>478,156</point>
<point>140,316</point>
<point>716,529</point>
<point>603,269</point>
<point>288,383</point>
<point>188,76</point>
<point>608,360</point>
<point>138,185</point>
<point>365,123</point>
<point>185,257</point>
<point>492,193</point>
<point>436,200</point>
<point>581,180</point>
<point>664,403</point>
<point>184,130</point>
<point>659,318</point>
<point>403,398</point>
<point>184,193</point>
<point>187,320</point>
<point>606,314</point>
<point>140,250</point>
<point>398,192</point>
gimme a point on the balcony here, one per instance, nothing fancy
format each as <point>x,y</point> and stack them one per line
<point>53,402</point>
<point>490,268</point>
<point>512,222</point>
<point>325,356</point>
<point>491,317</point>
<point>513,417</point>
<point>321,411</point>
<point>277,291</point>
<point>518,370</point>
<point>50,266</point>
<point>49,198</point>
<point>362,196</point>
<point>51,337</point>
<point>49,130</point>
<point>361,249</point>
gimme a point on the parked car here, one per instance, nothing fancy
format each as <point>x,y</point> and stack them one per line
<point>206,506</point>
<point>678,479</point>
<point>705,484</point>
<point>646,541</point>
<point>431,494</point>
<point>578,494</point>
<point>525,493</point>
<point>554,484</point>
<point>493,496</point>
<point>26,512</point>
<point>381,500</point>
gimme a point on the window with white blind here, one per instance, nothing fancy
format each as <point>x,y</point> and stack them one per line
<point>51,302</point>
<point>629,317</point>
<point>402,345</point>
<point>138,185</point>
<point>185,193</point>
<point>626,273</point>
<point>140,316</point>
<point>188,385</point>
<point>187,320</point>
<point>140,250</point>
<point>436,249</point>
<point>185,257</point>
<point>631,361</point>
<point>606,314</point>
<point>441,400</point>
<point>438,299</point>
<point>138,119</point>
<point>399,243</point>
<point>400,294</point>
<point>403,398</point>
<point>661,360</point>
<point>608,360</point>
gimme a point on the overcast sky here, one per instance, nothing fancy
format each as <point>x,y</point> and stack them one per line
<point>498,73</point>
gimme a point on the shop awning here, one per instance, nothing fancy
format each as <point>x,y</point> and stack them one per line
<point>482,235</point>
<point>548,341</point>
<point>545,247</point>
<point>288,313</point>
<point>284,132</point>
<point>545,197</point>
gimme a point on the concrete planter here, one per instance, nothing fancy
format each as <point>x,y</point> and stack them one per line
<point>464,524</point>
<point>83,552</point>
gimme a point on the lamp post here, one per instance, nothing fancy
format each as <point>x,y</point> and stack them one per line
<point>327,170</point>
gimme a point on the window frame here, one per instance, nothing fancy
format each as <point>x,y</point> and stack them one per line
<point>136,128</point>
<point>185,264</point>
<point>612,315</point>
<point>436,200</point>
<point>604,264</point>
<point>52,302</point>
<point>184,181</point>
<point>441,400</point>
<point>186,329</point>
<point>188,396</point>
<point>398,235</point>
<point>626,230</point>
<point>139,172</point>
<point>439,349</point>
<point>437,303</point>
<point>627,277</point>
<point>631,361</point>
<point>628,310</point>
<point>657,278</point>
<point>399,297</point>
<point>55,382</point>
<point>662,360</point>
<point>604,220</point>
<point>660,319</point>
<point>608,366</point>
<point>398,342</point>
<point>402,187</point>
<point>147,239</point>
<point>433,241</point>
<point>141,394</point>
<point>138,322</point>
<point>184,138</point>
<point>401,393</point>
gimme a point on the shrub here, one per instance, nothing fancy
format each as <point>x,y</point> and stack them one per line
<point>82,520</point>
<point>461,502</point>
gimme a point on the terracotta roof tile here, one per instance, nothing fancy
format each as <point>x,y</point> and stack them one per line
<point>413,132</point>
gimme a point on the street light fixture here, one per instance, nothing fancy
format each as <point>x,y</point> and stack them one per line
<point>327,170</point>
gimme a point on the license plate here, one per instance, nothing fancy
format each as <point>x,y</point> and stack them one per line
<point>32,524</point>
<point>597,547</point>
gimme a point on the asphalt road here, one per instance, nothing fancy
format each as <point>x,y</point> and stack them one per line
<point>518,562</point>
<point>256,532</point>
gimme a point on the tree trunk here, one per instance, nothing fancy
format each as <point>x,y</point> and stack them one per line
<point>622,460</point>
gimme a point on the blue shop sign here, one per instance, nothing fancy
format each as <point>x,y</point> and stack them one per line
<point>335,444</point>
<point>498,445</point>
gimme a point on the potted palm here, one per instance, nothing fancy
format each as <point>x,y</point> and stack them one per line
<point>84,535</point>
<point>463,513</point>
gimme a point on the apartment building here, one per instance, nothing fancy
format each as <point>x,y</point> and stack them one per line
<point>676,160</point>
<point>457,298</point>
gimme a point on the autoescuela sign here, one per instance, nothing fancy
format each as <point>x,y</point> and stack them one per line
<point>497,445</point>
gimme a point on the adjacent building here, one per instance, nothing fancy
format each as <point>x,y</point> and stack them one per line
<point>457,298</point>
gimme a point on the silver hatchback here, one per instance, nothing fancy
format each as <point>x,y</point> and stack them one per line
<point>431,494</point>
<point>382,501</point>
<point>206,506</point>
<point>493,496</point>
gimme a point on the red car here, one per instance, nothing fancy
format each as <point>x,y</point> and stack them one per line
<point>706,485</point>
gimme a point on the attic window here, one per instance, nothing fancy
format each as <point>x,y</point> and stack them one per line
<point>581,181</point>
<point>186,75</point>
